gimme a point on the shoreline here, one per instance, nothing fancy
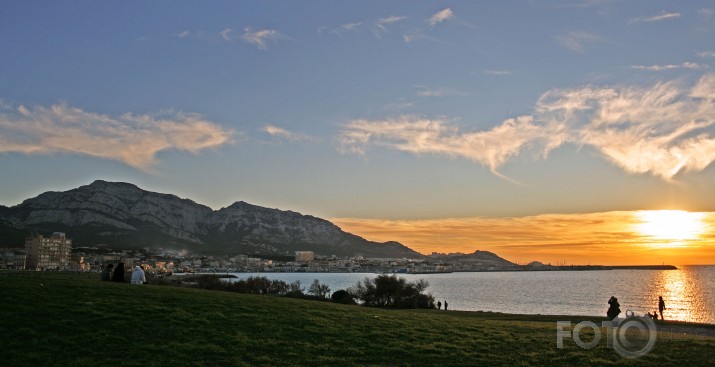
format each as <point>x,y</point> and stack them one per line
<point>512,270</point>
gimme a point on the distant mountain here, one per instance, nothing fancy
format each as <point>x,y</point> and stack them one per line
<point>122,215</point>
<point>480,258</point>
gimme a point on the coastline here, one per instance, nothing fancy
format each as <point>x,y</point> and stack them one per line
<point>393,271</point>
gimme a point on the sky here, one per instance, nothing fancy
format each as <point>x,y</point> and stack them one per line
<point>429,123</point>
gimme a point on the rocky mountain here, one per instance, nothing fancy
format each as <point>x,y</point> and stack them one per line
<point>480,258</point>
<point>122,215</point>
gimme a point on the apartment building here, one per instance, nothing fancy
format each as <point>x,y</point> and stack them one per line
<point>48,253</point>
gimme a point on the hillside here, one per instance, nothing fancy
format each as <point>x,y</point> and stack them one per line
<point>122,215</point>
<point>72,319</point>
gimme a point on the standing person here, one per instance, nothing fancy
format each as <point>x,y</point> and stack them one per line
<point>138,276</point>
<point>445,305</point>
<point>439,305</point>
<point>118,275</point>
<point>661,306</point>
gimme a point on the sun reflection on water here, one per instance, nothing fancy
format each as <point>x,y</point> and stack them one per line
<point>686,293</point>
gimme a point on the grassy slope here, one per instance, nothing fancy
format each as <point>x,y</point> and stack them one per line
<point>62,319</point>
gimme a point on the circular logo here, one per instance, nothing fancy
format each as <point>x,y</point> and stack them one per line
<point>634,336</point>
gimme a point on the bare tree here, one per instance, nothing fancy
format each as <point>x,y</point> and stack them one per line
<point>319,290</point>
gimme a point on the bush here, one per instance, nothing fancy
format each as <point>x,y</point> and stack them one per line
<point>295,290</point>
<point>391,291</point>
<point>343,296</point>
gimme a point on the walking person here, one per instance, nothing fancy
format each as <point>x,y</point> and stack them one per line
<point>661,306</point>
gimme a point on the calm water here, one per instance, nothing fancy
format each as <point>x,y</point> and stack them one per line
<point>689,292</point>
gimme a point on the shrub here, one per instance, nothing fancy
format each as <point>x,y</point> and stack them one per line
<point>343,296</point>
<point>391,291</point>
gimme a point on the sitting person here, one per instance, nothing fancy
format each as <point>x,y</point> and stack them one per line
<point>138,276</point>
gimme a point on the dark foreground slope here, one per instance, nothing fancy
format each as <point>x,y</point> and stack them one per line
<point>62,319</point>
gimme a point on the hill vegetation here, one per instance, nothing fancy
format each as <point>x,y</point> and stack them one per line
<point>66,319</point>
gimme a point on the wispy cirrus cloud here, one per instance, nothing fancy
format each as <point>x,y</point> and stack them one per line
<point>685,65</point>
<point>340,30</point>
<point>416,135</point>
<point>656,18</point>
<point>132,139</point>
<point>381,25</point>
<point>226,34</point>
<point>424,91</point>
<point>351,26</point>
<point>417,35</point>
<point>260,37</point>
<point>578,40</point>
<point>659,130</point>
<point>441,16</point>
<point>281,133</point>
<point>707,54</point>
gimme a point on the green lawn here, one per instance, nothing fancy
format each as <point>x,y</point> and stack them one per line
<point>64,319</point>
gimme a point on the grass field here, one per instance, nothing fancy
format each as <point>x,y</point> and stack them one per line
<point>66,319</point>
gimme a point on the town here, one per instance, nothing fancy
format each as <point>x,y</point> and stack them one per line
<point>55,252</point>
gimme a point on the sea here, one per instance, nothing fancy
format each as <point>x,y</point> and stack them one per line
<point>689,291</point>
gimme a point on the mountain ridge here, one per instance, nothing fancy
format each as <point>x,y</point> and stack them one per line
<point>123,215</point>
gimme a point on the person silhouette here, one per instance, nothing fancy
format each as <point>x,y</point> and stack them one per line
<point>661,306</point>
<point>439,305</point>
<point>614,308</point>
<point>118,275</point>
<point>445,305</point>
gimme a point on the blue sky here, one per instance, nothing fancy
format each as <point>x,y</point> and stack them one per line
<point>397,110</point>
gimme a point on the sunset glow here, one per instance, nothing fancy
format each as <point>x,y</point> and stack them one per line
<point>639,237</point>
<point>670,225</point>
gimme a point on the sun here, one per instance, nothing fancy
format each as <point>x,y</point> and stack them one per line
<point>670,225</point>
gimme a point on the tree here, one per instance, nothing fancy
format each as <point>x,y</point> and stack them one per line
<point>319,290</point>
<point>295,289</point>
<point>343,296</point>
<point>391,291</point>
